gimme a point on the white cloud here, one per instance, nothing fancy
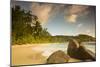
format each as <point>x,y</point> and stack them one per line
<point>42,11</point>
<point>72,18</point>
<point>79,25</point>
<point>75,11</point>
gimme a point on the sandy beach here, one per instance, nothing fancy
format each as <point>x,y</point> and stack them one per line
<point>25,55</point>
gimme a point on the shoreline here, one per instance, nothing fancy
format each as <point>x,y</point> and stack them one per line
<point>31,54</point>
<point>23,55</point>
<point>39,44</point>
<point>50,43</point>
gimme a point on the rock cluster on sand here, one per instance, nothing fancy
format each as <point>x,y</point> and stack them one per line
<point>75,50</point>
<point>58,57</point>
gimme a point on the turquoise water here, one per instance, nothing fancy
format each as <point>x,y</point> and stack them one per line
<point>47,50</point>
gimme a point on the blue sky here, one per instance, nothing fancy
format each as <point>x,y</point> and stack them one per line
<point>63,19</point>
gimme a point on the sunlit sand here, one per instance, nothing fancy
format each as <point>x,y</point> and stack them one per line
<point>23,55</point>
<point>30,54</point>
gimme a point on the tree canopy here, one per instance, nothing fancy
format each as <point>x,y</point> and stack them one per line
<point>25,25</point>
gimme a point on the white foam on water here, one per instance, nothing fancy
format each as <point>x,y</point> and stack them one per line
<point>47,50</point>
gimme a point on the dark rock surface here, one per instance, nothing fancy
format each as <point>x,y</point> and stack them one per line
<point>75,50</point>
<point>58,57</point>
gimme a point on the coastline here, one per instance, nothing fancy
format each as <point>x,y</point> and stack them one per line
<point>32,54</point>
<point>24,55</point>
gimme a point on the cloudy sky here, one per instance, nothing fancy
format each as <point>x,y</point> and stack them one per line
<point>63,19</point>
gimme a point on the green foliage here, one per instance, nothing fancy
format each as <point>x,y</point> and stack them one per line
<point>83,38</point>
<point>27,29</point>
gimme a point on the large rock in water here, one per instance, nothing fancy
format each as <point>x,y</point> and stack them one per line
<point>58,57</point>
<point>75,50</point>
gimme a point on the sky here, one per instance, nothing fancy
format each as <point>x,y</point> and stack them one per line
<point>63,19</point>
